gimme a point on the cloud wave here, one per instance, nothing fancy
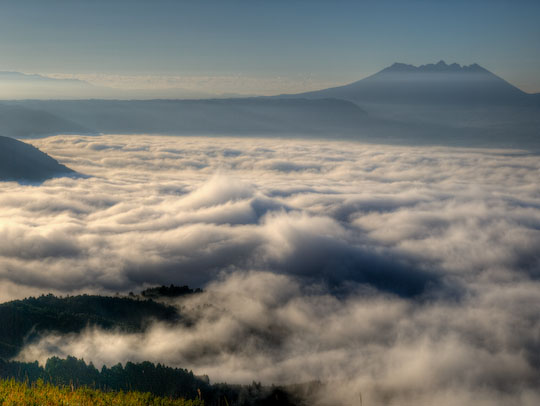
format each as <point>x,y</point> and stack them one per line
<point>408,274</point>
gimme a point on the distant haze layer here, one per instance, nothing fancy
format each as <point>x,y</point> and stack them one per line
<point>406,274</point>
<point>443,104</point>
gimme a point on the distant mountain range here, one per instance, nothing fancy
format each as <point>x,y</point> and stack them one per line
<point>24,163</point>
<point>22,86</point>
<point>19,85</point>
<point>251,116</point>
<point>437,103</point>
<point>18,77</point>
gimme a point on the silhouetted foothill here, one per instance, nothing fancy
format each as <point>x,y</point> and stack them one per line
<point>24,163</point>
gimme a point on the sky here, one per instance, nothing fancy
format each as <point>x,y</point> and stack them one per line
<point>264,47</point>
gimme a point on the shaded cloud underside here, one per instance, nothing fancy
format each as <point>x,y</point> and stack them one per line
<point>410,274</point>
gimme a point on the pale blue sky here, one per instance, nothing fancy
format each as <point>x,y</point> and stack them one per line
<point>328,41</point>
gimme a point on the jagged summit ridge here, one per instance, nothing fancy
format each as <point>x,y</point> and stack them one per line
<point>440,66</point>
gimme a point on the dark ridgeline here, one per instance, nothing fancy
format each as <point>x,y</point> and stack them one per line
<point>25,320</point>
<point>17,120</point>
<point>24,163</point>
<point>246,116</point>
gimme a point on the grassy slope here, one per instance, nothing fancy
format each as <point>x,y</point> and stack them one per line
<point>14,393</point>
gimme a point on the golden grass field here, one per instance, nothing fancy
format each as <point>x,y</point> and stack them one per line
<point>14,393</point>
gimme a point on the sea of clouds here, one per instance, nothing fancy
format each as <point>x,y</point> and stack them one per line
<point>405,275</point>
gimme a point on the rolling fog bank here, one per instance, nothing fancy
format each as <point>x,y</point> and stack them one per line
<point>406,274</point>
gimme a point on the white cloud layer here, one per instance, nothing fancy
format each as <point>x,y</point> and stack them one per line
<point>407,274</point>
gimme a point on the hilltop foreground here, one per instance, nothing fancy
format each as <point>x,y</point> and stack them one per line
<point>14,393</point>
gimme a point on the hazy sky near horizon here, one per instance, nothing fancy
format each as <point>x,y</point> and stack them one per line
<point>279,43</point>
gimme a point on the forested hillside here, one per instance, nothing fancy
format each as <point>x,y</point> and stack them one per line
<point>26,319</point>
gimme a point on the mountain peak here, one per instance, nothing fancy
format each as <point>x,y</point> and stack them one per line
<point>439,67</point>
<point>439,83</point>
